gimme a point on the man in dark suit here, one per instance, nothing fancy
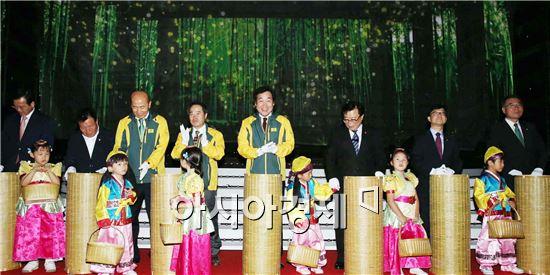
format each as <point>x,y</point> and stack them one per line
<point>520,141</point>
<point>22,129</point>
<point>87,149</point>
<point>432,149</point>
<point>352,151</point>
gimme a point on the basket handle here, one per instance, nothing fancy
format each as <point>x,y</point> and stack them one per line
<point>123,240</point>
<point>290,239</point>
<point>490,210</point>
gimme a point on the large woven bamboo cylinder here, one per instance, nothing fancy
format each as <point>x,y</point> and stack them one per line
<point>163,188</point>
<point>8,199</point>
<point>450,224</point>
<point>80,219</point>
<point>262,235</point>
<point>532,199</point>
<point>363,237</point>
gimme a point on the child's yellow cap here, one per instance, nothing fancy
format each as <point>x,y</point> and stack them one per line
<point>491,151</point>
<point>300,163</point>
<point>114,153</point>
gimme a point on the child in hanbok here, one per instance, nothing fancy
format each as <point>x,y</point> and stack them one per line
<point>402,212</point>
<point>302,191</point>
<point>193,255</point>
<point>113,214</point>
<point>39,227</point>
<point>490,190</point>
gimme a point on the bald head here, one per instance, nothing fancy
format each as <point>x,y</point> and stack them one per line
<point>140,104</point>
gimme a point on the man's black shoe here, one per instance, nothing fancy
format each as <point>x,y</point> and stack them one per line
<point>339,265</point>
<point>216,260</point>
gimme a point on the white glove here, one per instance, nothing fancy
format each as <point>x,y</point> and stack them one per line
<point>515,172</point>
<point>264,149</point>
<point>204,140</point>
<point>1,167</point>
<point>184,135</point>
<point>272,148</point>
<point>537,172</point>
<point>334,183</point>
<point>448,171</point>
<point>378,174</point>
<point>143,170</point>
<point>70,169</point>
<point>101,170</point>
<point>437,171</point>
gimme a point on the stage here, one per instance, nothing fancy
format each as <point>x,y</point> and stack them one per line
<point>231,263</point>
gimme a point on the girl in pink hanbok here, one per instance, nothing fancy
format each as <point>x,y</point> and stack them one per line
<point>113,214</point>
<point>301,193</point>
<point>193,255</point>
<point>490,190</point>
<point>402,212</point>
<point>39,227</point>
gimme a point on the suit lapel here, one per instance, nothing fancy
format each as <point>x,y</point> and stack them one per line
<point>30,125</point>
<point>511,135</point>
<point>525,132</point>
<point>363,146</point>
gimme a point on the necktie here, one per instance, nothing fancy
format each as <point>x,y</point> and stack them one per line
<point>518,134</point>
<point>22,125</point>
<point>141,129</point>
<point>196,139</point>
<point>355,142</point>
<point>264,123</point>
<point>439,145</point>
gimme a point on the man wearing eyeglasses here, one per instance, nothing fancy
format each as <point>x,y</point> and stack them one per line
<point>353,150</point>
<point>432,149</point>
<point>22,129</point>
<point>520,141</point>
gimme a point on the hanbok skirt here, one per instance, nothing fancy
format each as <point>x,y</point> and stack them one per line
<point>392,262</point>
<point>192,257</point>
<point>39,235</point>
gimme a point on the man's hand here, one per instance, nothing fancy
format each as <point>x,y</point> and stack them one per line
<point>272,148</point>
<point>264,149</point>
<point>143,170</point>
<point>71,169</point>
<point>101,170</point>
<point>1,167</point>
<point>537,172</point>
<point>515,172</point>
<point>184,135</point>
<point>334,183</point>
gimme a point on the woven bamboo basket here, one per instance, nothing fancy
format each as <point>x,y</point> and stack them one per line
<point>414,247</point>
<point>35,193</point>
<point>80,219</point>
<point>450,224</point>
<point>303,255</point>
<point>163,188</point>
<point>363,237</point>
<point>171,233</point>
<point>532,200</point>
<point>505,229</point>
<point>8,199</point>
<point>262,236</point>
<point>104,253</point>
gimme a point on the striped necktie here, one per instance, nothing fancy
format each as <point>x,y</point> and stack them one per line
<point>355,142</point>
<point>141,129</point>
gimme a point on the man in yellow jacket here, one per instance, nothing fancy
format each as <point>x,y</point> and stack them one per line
<point>143,136</point>
<point>212,145</point>
<point>265,138</point>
